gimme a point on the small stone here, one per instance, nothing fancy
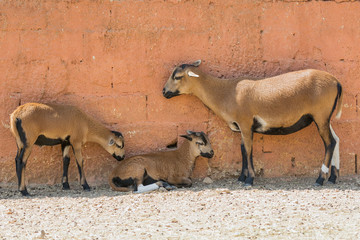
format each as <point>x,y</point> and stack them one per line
<point>42,235</point>
<point>208,180</point>
<point>226,191</point>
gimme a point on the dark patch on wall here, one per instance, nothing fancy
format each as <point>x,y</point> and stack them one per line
<point>293,162</point>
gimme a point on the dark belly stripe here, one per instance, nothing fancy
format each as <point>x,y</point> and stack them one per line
<point>303,122</point>
<point>44,141</point>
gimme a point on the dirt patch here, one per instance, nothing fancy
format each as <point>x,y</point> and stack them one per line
<point>283,207</point>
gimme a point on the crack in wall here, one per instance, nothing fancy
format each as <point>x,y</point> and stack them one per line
<point>356,103</point>
<point>356,171</point>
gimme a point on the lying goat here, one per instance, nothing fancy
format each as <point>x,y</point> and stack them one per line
<point>276,106</point>
<point>52,124</point>
<point>140,173</point>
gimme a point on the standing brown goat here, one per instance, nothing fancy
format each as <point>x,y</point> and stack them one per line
<point>52,124</point>
<point>173,167</point>
<point>278,105</point>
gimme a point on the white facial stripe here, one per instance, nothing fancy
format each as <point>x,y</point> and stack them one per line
<point>335,160</point>
<point>192,74</point>
<point>324,169</point>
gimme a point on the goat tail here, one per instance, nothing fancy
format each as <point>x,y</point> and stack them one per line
<point>338,101</point>
<point>121,185</point>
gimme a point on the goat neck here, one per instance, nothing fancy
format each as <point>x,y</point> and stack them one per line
<point>97,133</point>
<point>217,94</point>
<point>187,155</point>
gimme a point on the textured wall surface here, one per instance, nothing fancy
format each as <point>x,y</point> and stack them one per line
<point>112,58</point>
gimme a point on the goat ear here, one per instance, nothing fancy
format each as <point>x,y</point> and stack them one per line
<point>198,134</point>
<point>190,132</point>
<point>187,137</point>
<point>196,63</point>
<point>192,74</point>
<point>111,142</point>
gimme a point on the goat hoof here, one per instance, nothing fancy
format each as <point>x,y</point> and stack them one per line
<point>332,179</point>
<point>319,182</point>
<point>167,186</point>
<point>249,182</point>
<point>24,192</point>
<point>86,187</point>
<point>66,186</point>
<point>242,178</point>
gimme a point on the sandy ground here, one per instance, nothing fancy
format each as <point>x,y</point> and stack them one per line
<point>285,208</point>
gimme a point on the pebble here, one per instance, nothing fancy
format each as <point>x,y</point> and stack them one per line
<point>208,180</point>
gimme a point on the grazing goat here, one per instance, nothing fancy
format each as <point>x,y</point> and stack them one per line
<point>52,124</point>
<point>161,168</point>
<point>278,105</point>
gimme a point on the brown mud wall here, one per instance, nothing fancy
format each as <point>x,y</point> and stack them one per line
<point>112,58</point>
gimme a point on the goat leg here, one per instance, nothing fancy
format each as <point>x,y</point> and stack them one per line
<point>244,170</point>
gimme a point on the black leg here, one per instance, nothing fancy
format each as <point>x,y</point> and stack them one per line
<point>19,168</point>
<point>244,169</point>
<point>333,175</point>
<point>329,144</point>
<point>80,164</point>
<point>246,139</point>
<point>66,161</point>
<point>85,186</point>
<point>65,180</point>
<point>135,185</point>
<point>19,164</point>
<point>250,179</point>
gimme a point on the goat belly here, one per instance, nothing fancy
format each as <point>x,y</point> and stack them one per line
<point>303,122</point>
<point>44,141</point>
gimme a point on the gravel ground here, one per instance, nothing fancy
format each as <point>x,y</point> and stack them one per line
<point>282,208</point>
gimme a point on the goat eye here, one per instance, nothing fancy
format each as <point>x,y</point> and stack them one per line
<point>200,143</point>
<point>178,77</point>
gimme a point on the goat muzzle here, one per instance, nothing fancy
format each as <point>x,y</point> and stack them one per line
<point>119,158</point>
<point>207,155</point>
<point>169,94</point>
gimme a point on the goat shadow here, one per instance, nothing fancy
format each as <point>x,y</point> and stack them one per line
<point>346,183</point>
